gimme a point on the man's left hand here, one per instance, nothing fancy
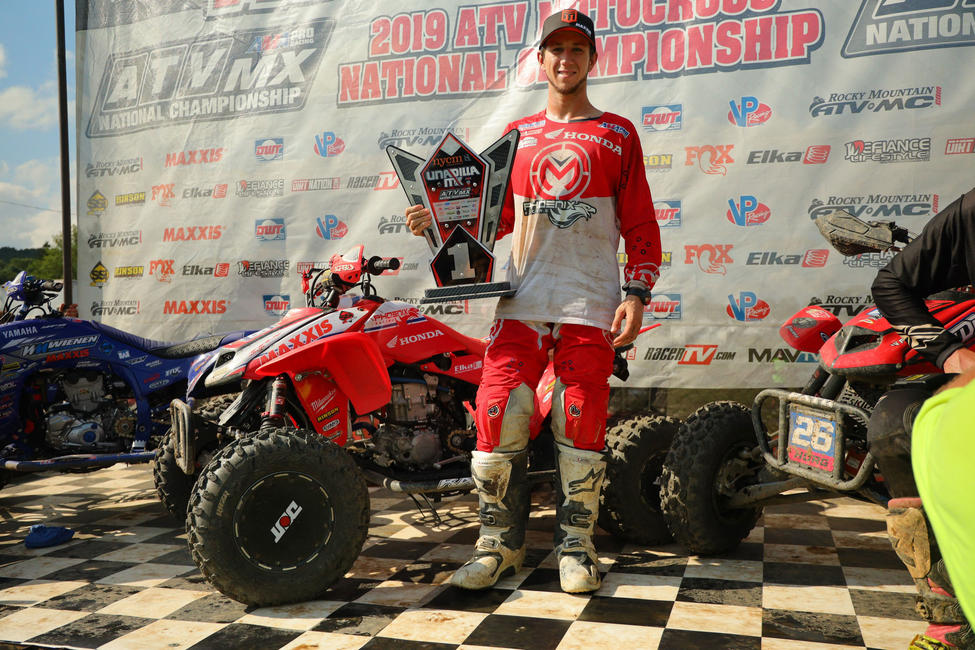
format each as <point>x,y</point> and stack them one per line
<point>631,311</point>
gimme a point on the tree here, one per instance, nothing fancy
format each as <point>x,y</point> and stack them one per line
<point>49,265</point>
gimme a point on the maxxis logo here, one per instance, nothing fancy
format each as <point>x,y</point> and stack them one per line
<point>561,171</point>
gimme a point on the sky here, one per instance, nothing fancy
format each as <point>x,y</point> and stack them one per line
<point>30,185</point>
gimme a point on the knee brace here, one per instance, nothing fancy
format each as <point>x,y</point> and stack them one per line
<point>503,418</point>
<point>579,416</point>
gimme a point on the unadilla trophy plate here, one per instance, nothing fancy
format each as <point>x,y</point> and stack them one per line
<point>464,192</point>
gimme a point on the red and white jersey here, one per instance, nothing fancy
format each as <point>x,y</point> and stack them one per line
<point>575,188</point>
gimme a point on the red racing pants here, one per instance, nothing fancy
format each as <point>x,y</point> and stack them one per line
<point>516,358</point>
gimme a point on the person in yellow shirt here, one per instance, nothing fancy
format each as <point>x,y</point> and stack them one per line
<point>943,460</point>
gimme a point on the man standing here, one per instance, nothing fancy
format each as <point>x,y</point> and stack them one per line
<point>577,185</point>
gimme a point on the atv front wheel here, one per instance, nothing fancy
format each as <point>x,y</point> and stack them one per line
<point>709,461</point>
<point>277,517</point>
<point>630,501</point>
<point>173,485</point>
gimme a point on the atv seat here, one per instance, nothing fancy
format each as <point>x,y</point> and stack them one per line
<point>167,350</point>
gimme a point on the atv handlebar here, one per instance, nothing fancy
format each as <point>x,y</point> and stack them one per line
<point>377,265</point>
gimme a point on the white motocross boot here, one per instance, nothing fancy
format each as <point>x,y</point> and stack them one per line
<point>502,489</point>
<point>581,473</point>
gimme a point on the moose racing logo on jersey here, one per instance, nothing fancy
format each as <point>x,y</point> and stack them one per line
<point>885,26</point>
<point>560,173</point>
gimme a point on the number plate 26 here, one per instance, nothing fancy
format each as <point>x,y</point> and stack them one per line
<point>812,440</point>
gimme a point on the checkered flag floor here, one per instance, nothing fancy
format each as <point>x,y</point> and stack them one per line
<point>813,576</point>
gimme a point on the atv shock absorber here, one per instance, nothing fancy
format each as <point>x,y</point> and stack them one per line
<point>277,394</point>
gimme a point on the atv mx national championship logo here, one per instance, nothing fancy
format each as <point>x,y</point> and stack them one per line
<point>886,26</point>
<point>269,70</point>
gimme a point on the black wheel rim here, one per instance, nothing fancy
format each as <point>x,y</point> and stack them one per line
<point>283,521</point>
<point>726,515</point>
<point>650,481</point>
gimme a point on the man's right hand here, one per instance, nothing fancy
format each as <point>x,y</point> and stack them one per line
<point>960,360</point>
<point>418,219</point>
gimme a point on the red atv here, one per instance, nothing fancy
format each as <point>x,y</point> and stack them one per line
<point>349,390</point>
<point>725,465</point>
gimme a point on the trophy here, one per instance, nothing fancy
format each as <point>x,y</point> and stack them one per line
<point>464,192</point>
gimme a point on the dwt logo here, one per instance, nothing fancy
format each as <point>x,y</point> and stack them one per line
<point>663,117</point>
<point>747,211</point>
<point>710,258</point>
<point>268,149</point>
<point>747,307</point>
<point>667,213</point>
<point>277,304</point>
<point>749,112</point>
<point>328,144</point>
<point>270,229</point>
<point>710,159</point>
<point>162,270</point>
<point>330,227</point>
<point>665,306</point>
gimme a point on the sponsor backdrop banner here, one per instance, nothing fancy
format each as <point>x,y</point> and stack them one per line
<point>225,145</point>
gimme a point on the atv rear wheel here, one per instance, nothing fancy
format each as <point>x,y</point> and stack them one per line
<point>630,501</point>
<point>706,464</point>
<point>277,517</point>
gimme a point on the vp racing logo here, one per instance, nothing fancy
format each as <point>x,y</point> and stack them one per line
<point>886,26</point>
<point>558,174</point>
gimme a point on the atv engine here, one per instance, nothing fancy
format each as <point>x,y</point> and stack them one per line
<point>413,434</point>
<point>87,421</point>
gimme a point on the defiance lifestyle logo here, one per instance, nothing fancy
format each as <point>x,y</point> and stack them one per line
<point>886,26</point>
<point>250,72</point>
<point>889,151</point>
